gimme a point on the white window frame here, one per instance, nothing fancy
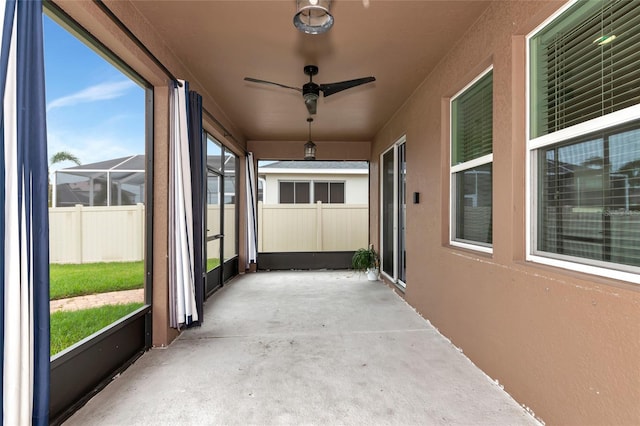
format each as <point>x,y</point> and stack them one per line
<point>623,272</point>
<point>476,162</point>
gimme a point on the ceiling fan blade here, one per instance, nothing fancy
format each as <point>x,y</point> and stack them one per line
<point>255,80</point>
<point>312,105</point>
<point>331,88</point>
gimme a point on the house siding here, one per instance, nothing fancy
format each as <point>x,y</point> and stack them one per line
<point>356,187</point>
<point>563,343</point>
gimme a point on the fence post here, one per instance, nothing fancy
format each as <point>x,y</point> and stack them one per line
<point>79,233</point>
<point>260,225</point>
<point>319,243</point>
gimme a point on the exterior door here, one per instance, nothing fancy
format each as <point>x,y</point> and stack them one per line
<point>214,215</point>
<point>393,212</point>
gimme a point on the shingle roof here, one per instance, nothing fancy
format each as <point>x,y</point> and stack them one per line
<point>341,165</point>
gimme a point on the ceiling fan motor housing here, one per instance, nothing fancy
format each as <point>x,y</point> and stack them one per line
<point>311,93</point>
<point>310,90</point>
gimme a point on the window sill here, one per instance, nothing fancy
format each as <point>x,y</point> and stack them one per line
<point>471,247</point>
<point>628,277</point>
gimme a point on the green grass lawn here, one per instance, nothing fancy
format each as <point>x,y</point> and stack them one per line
<point>90,278</point>
<point>72,280</point>
<point>212,263</point>
<point>69,327</point>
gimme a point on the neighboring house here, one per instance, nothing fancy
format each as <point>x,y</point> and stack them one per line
<point>120,182</point>
<point>116,182</point>
<point>304,182</point>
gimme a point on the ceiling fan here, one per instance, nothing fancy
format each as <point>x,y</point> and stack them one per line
<point>311,91</point>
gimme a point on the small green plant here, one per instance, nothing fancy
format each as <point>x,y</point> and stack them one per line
<point>365,258</point>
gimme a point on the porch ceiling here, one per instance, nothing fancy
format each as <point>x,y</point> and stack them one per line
<point>221,42</point>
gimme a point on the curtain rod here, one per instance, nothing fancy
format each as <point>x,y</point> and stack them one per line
<point>135,39</point>
<point>153,57</point>
<point>226,133</point>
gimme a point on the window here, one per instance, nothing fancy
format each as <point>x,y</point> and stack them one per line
<point>294,193</point>
<point>301,192</point>
<point>584,139</point>
<point>328,192</point>
<point>98,122</point>
<point>584,65</point>
<point>471,164</point>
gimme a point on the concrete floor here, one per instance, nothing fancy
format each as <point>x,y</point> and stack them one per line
<point>305,348</point>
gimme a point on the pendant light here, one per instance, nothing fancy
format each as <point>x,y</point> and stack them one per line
<point>309,147</point>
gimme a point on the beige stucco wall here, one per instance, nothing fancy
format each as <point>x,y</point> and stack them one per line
<point>563,343</point>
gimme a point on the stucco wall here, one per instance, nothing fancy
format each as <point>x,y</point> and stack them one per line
<point>563,343</point>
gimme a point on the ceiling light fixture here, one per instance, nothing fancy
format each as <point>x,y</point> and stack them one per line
<point>313,16</point>
<point>309,147</point>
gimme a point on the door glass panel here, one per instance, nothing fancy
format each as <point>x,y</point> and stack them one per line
<point>214,155</point>
<point>402,212</point>
<point>213,219</point>
<point>387,212</point>
<point>230,207</point>
<point>394,216</point>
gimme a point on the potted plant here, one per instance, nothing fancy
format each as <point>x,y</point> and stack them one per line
<point>366,259</point>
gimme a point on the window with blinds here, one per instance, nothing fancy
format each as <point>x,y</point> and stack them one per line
<point>584,65</point>
<point>471,164</point>
<point>584,68</point>
<point>472,121</point>
<point>589,199</point>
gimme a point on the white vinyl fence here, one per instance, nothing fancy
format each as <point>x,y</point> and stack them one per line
<point>96,234</point>
<point>117,233</point>
<point>312,227</point>
<point>213,228</point>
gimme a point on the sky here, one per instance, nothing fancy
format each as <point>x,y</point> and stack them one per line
<point>94,111</point>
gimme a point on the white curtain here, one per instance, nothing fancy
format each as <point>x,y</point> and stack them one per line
<point>182,298</point>
<point>252,202</point>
